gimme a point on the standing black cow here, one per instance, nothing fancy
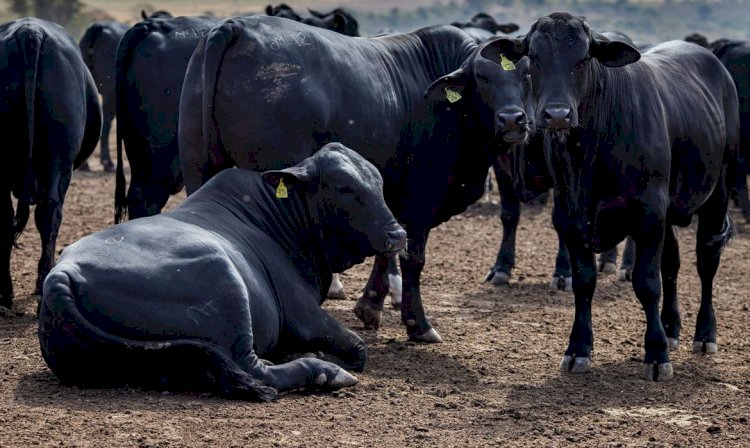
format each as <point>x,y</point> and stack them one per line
<point>428,108</point>
<point>339,19</point>
<point>99,48</point>
<point>234,274</point>
<point>735,55</point>
<point>52,120</point>
<point>654,138</point>
<point>151,63</point>
<point>484,21</point>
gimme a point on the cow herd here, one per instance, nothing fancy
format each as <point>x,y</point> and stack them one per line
<point>344,146</point>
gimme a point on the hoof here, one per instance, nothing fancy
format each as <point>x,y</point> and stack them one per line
<point>84,166</point>
<point>625,275</point>
<point>370,316</point>
<point>497,278</point>
<point>394,290</point>
<point>342,379</point>
<point>336,290</point>
<point>561,283</point>
<point>607,268</point>
<point>674,344</point>
<point>108,166</point>
<point>430,336</point>
<point>570,364</point>
<point>708,348</point>
<point>658,372</point>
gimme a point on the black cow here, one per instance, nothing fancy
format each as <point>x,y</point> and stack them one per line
<point>428,108</point>
<point>236,273</point>
<point>735,55</point>
<point>651,140</point>
<point>339,19</point>
<point>52,120</point>
<point>160,14</point>
<point>99,48</point>
<point>151,63</point>
<point>488,23</point>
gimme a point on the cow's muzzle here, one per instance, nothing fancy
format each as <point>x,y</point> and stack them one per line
<point>556,117</point>
<point>512,126</point>
<point>395,240</point>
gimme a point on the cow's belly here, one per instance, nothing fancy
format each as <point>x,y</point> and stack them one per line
<point>141,283</point>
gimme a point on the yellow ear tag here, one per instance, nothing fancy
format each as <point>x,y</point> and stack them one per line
<point>506,63</point>
<point>451,95</point>
<point>281,190</point>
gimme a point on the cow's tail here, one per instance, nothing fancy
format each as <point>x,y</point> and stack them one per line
<point>30,39</point>
<point>217,42</point>
<point>139,32</point>
<point>81,353</point>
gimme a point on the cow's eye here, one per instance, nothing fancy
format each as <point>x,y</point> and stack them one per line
<point>344,190</point>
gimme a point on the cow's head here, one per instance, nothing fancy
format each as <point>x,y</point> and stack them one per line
<point>338,20</point>
<point>495,87</point>
<point>348,192</point>
<point>564,54</point>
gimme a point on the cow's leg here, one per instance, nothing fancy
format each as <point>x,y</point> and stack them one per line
<point>562,277</point>
<point>577,358</point>
<point>647,286</point>
<point>608,261</point>
<point>395,284</point>
<point>336,290</point>
<point>314,330</point>
<point>510,213</point>
<point>6,246</point>
<point>714,230</point>
<point>108,114</point>
<point>412,311</point>
<point>48,216</point>
<point>369,307</point>
<point>147,197</point>
<point>628,259</point>
<point>670,266</point>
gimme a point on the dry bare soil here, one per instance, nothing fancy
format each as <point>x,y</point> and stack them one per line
<point>493,382</point>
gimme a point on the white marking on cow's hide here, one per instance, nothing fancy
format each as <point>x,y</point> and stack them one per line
<point>395,289</point>
<point>195,313</point>
<point>277,73</point>
<point>245,198</point>
<point>116,240</point>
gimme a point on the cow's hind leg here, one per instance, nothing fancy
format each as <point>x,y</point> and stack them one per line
<point>670,266</point>
<point>714,230</point>
<point>369,307</point>
<point>6,246</point>
<point>510,213</point>
<point>628,260</point>
<point>108,112</point>
<point>395,284</point>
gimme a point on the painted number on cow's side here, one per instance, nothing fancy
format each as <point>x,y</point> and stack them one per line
<point>277,43</point>
<point>299,38</point>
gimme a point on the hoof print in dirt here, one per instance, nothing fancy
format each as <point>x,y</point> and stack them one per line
<point>708,348</point>
<point>575,364</point>
<point>658,372</point>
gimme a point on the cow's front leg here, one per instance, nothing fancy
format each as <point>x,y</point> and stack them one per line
<point>577,358</point>
<point>670,266</point>
<point>647,286</point>
<point>6,246</point>
<point>412,311</point>
<point>510,213</point>
<point>369,307</point>
<point>48,216</point>
<point>562,277</point>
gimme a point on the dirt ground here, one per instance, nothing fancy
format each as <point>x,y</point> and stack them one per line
<point>493,382</point>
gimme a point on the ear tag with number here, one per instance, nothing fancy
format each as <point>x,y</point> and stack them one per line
<point>281,190</point>
<point>451,95</point>
<point>506,63</point>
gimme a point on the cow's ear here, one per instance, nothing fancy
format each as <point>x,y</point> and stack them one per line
<point>339,22</point>
<point>448,88</point>
<point>269,10</point>
<point>506,28</point>
<point>613,53</point>
<point>499,49</point>
<point>292,177</point>
<point>144,14</point>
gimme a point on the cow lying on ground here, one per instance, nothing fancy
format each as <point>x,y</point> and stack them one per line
<point>51,120</point>
<point>428,108</point>
<point>234,275</point>
<point>99,48</point>
<point>650,141</point>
